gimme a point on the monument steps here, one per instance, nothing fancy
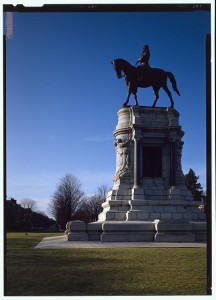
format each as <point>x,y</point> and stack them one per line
<point>139,231</point>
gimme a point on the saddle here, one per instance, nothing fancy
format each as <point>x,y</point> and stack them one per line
<point>142,69</point>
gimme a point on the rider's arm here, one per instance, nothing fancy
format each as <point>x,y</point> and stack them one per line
<point>138,60</point>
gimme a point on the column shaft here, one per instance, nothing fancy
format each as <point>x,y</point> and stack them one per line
<point>136,163</point>
<point>173,164</point>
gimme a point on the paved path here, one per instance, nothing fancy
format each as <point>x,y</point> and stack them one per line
<point>60,242</point>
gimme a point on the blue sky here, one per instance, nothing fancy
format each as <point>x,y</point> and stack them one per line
<point>63,94</point>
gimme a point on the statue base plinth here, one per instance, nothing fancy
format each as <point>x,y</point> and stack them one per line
<point>141,231</point>
<point>149,200</point>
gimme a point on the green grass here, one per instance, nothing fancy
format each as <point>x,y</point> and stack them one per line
<point>113,271</point>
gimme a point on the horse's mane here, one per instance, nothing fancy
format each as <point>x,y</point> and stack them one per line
<point>121,60</point>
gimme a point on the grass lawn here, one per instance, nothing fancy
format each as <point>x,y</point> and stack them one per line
<point>89,272</point>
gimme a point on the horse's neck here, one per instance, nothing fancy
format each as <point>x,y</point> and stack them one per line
<point>126,66</point>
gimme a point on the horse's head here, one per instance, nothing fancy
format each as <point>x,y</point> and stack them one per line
<point>117,67</point>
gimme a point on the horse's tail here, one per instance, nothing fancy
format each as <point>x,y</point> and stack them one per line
<point>173,81</point>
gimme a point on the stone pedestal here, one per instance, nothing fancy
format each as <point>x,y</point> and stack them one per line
<point>76,231</point>
<point>174,231</point>
<point>149,199</point>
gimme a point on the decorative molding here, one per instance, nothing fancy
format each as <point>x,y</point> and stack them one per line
<point>122,158</point>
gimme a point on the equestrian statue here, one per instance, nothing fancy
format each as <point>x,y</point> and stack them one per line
<point>144,76</point>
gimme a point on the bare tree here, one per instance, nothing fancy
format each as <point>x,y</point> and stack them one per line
<point>29,204</point>
<point>90,207</point>
<point>96,201</point>
<point>102,191</point>
<point>66,199</point>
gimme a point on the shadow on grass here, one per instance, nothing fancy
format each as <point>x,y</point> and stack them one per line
<point>89,272</point>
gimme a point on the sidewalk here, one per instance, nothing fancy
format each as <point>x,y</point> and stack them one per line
<point>60,242</point>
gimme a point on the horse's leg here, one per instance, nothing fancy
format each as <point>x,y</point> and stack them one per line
<point>128,95</point>
<point>135,97</point>
<point>134,91</point>
<point>169,94</point>
<point>156,90</point>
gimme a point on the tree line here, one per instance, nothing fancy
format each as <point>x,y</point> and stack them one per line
<point>25,216</point>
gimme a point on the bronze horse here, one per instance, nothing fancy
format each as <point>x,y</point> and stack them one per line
<point>156,78</point>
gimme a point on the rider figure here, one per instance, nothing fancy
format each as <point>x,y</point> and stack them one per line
<point>143,60</point>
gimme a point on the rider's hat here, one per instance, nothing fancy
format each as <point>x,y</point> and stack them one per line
<point>146,46</point>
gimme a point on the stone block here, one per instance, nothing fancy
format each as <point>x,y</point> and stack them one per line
<point>165,216</point>
<point>171,209</point>
<point>128,226</point>
<point>177,216</point>
<point>124,192</point>
<point>158,202</point>
<point>156,197</point>
<point>174,191</point>
<point>77,236</point>
<point>174,237</point>
<point>199,229</point>
<point>138,202</point>
<point>180,209</point>
<point>120,216</point>
<point>194,216</point>
<point>177,226</point>
<point>132,215</point>
<point>174,231</point>
<point>201,216</point>
<point>76,226</point>
<point>186,216</point>
<point>143,208</point>
<point>193,203</point>
<point>159,192</point>
<point>125,237</point>
<point>195,209</point>
<point>114,237</point>
<point>199,226</point>
<point>137,191</point>
<point>94,226</point>
<point>178,202</point>
<point>142,215</point>
<point>119,205</point>
<point>94,229</point>
<point>158,209</point>
<point>138,197</point>
<point>174,197</point>
<point>123,197</point>
<point>76,231</point>
<point>143,237</point>
<point>154,216</point>
<point>115,215</point>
